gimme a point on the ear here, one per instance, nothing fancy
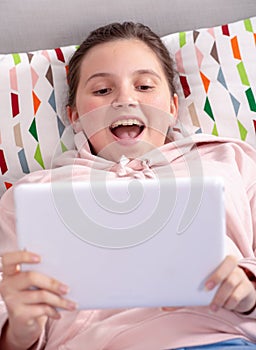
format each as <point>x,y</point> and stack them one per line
<point>174,107</point>
<point>74,119</point>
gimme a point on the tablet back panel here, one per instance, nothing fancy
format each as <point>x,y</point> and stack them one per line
<point>139,243</point>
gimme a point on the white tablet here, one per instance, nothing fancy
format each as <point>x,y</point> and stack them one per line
<point>126,243</point>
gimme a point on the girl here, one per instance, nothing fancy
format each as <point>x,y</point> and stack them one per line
<point>123,106</point>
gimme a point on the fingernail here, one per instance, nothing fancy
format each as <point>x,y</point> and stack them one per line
<point>35,258</point>
<point>71,305</point>
<point>209,285</point>
<point>63,288</point>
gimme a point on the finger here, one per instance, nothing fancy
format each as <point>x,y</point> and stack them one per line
<point>242,299</point>
<point>169,308</point>
<point>29,315</point>
<point>10,270</point>
<point>45,297</point>
<point>20,256</point>
<point>237,296</point>
<point>33,279</point>
<point>42,310</point>
<point>33,297</point>
<point>11,261</point>
<point>227,288</point>
<point>221,273</point>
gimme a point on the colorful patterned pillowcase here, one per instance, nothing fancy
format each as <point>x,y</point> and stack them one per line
<point>33,91</point>
<point>217,79</point>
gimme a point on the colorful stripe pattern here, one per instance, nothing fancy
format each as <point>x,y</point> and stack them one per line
<point>32,112</point>
<point>217,79</point>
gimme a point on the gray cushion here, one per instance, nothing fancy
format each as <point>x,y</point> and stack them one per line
<point>30,25</point>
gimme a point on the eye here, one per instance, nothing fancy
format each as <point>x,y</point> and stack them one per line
<point>102,92</point>
<point>144,87</point>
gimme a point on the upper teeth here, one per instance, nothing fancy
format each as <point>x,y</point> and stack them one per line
<point>126,122</point>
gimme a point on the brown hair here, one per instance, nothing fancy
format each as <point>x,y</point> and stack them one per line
<point>117,31</point>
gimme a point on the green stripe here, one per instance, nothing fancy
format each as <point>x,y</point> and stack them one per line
<point>243,131</point>
<point>242,73</point>
<point>16,58</point>
<point>38,157</point>
<point>63,147</point>
<point>214,130</point>
<point>182,36</point>
<point>248,25</point>
<point>208,109</point>
<point>251,99</point>
<point>33,130</point>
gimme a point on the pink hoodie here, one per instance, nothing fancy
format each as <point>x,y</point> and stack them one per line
<point>153,328</point>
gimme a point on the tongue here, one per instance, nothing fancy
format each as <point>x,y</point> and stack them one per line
<point>126,132</point>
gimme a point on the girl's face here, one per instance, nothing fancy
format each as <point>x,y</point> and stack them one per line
<point>123,102</point>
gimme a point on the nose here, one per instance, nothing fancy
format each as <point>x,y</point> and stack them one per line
<point>124,98</point>
<point>124,104</point>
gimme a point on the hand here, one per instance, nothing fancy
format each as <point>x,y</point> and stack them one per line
<point>30,298</point>
<point>235,291</point>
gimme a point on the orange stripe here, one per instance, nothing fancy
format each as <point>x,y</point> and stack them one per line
<point>205,81</point>
<point>36,101</point>
<point>8,185</point>
<point>235,48</point>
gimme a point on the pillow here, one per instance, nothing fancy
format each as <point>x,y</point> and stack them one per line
<point>217,90</point>
<point>217,79</point>
<point>33,92</point>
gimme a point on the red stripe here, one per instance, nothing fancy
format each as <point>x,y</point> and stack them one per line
<point>225,30</point>
<point>185,86</point>
<point>15,104</point>
<point>60,55</point>
<point>3,165</point>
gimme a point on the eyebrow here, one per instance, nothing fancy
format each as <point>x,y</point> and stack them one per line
<point>139,71</point>
<point>96,75</point>
<point>147,71</point>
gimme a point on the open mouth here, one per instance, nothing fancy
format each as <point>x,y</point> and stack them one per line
<point>127,128</point>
